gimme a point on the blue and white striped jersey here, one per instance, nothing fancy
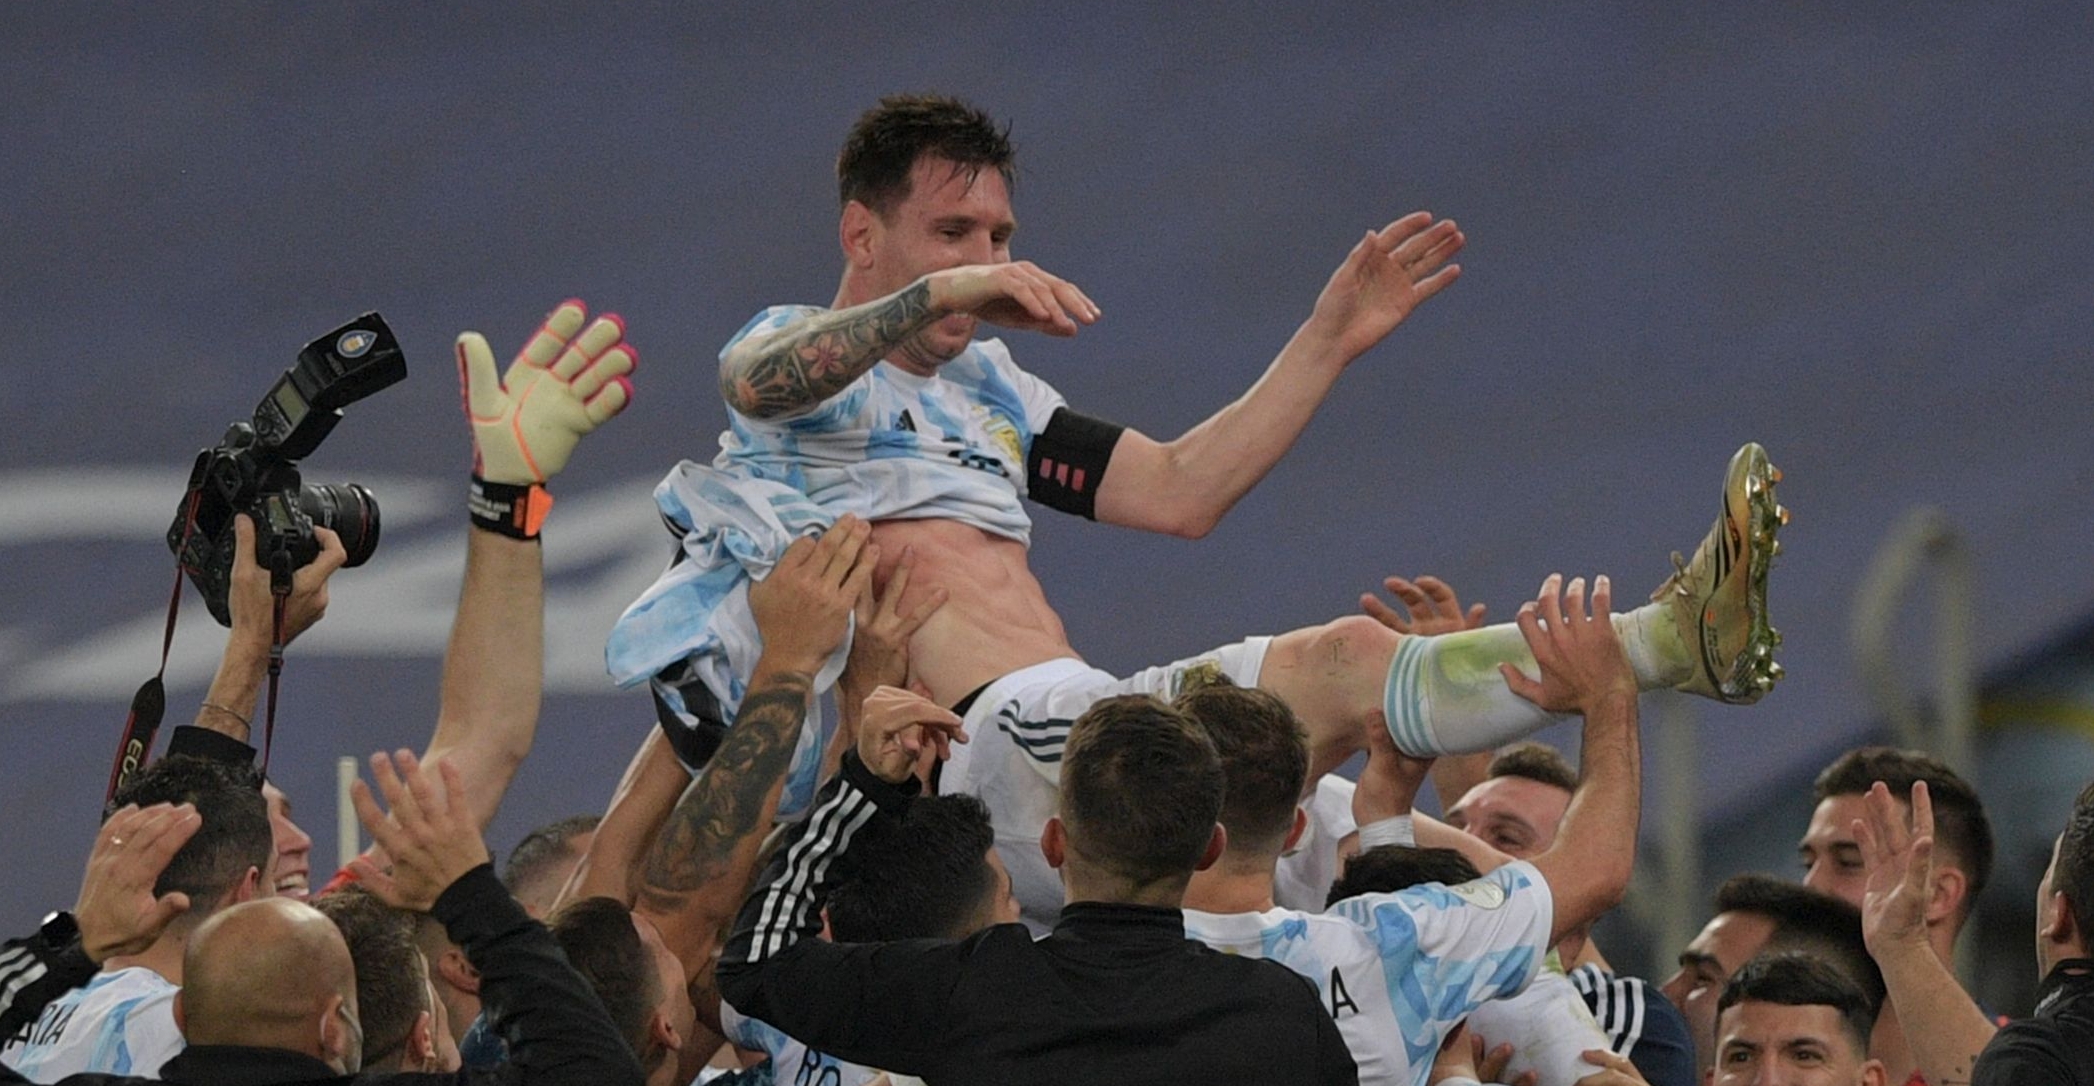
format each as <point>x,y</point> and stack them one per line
<point>1399,971</point>
<point>890,446</point>
<point>792,1063</point>
<point>119,1023</point>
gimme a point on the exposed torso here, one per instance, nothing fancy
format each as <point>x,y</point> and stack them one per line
<point>996,618</point>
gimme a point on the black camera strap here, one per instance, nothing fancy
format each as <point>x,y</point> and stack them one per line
<point>280,595</point>
<point>149,704</point>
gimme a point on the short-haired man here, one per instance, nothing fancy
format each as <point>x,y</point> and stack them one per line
<point>935,876</point>
<point>539,866</point>
<point>884,405</point>
<point>270,992</point>
<point>1115,993</point>
<point>1758,913</point>
<point>1951,1038</point>
<point>638,979</point>
<point>396,1006</point>
<point>1961,866</point>
<point>2056,1044</point>
<point>122,1022</point>
<point>1794,1020</point>
<point>1398,971</point>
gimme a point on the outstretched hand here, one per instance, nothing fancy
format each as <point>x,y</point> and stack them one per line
<point>898,728</point>
<point>429,834</point>
<point>561,386</point>
<point>117,911</point>
<point>1014,295</point>
<point>1899,867</point>
<point>803,606</point>
<point>1580,656</point>
<point>1391,272</point>
<point>1430,607</point>
<point>1389,782</point>
<point>880,644</point>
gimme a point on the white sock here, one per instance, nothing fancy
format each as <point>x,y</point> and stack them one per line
<point>1445,695</point>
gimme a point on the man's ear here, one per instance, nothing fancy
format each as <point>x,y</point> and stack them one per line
<point>181,1014</point>
<point>1217,843</point>
<point>457,972</point>
<point>1054,842</point>
<point>421,1043</point>
<point>334,1035</point>
<point>1951,887</point>
<point>247,889</point>
<point>828,934</point>
<point>662,1034</point>
<point>1301,826</point>
<point>858,232</point>
<point>1873,1073</point>
<point>2054,920</point>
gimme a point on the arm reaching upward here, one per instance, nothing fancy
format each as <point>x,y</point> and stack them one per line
<point>1584,670</point>
<point>1183,487</point>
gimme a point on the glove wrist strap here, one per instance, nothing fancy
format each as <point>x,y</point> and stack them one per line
<point>510,509</point>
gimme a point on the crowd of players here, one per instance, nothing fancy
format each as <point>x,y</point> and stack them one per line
<point>997,864</point>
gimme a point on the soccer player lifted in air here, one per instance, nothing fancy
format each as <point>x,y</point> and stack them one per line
<point>886,405</point>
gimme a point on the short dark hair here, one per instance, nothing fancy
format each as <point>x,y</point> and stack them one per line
<point>1960,824</point>
<point>1807,920</point>
<point>1799,979</point>
<point>1141,790</point>
<point>1264,758</point>
<point>1385,869</point>
<point>927,879</point>
<point>544,848</point>
<point>598,936</point>
<point>888,139</point>
<point>392,979</point>
<point>2074,874</point>
<point>235,834</point>
<point>1538,762</point>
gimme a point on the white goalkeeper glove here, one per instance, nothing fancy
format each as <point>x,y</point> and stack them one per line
<point>561,386</point>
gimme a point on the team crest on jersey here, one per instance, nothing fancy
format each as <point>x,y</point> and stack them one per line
<point>1002,432</point>
<point>1483,895</point>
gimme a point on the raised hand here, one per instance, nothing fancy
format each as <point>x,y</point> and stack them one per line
<point>1389,782</point>
<point>1430,605</point>
<point>561,385</point>
<point>803,607</point>
<point>117,911</point>
<point>253,607</point>
<point>898,727</point>
<point>430,833</point>
<point>1898,867</point>
<point>1580,657</point>
<point>1015,295</point>
<point>1388,274</point>
<point>880,644</point>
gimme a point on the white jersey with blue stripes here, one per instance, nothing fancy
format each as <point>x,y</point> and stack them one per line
<point>792,1063</point>
<point>119,1023</point>
<point>1399,971</point>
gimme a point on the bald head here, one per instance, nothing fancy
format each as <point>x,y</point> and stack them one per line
<point>273,973</point>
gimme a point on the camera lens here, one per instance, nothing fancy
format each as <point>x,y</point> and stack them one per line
<point>347,509</point>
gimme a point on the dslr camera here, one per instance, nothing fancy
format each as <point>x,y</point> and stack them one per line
<point>254,470</point>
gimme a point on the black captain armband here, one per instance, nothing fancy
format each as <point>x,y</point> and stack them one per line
<point>1068,462</point>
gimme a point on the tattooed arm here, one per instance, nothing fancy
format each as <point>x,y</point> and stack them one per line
<point>700,866</point>
<point>794,368</point>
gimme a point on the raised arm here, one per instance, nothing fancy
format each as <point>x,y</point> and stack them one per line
<point>567,381</point>
<point>1183,487</point>
<point>1583,670</point>
<point>1941,1022</point>
<point>790,370</point>
<point>700,865</point>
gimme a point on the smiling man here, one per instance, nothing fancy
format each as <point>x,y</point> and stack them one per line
<point>886,406</point>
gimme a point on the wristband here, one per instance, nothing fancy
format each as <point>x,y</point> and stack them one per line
<point>508,508</point>
<point>1388,831</point>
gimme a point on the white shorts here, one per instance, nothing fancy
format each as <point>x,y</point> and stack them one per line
<point>1017,727</point>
